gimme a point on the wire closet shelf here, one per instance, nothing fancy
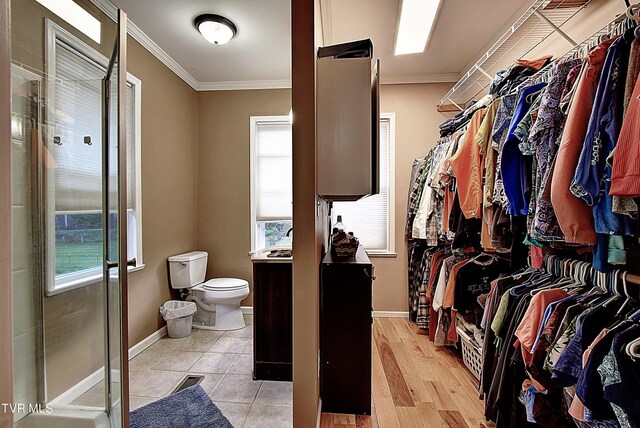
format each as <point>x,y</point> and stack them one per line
<point>541,20</point>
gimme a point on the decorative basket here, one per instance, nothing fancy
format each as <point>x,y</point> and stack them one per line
<point>345,249</point>
<point>471,353</point>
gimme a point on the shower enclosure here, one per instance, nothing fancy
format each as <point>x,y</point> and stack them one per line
<point>69,126</point>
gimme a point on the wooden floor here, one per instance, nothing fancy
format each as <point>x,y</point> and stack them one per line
<point>415,384</point>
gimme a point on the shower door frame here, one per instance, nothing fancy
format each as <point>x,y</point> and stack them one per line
<point>119,56</point>
<point>6,295</point>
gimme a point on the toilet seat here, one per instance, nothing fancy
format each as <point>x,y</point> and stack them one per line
<point>224,284</point>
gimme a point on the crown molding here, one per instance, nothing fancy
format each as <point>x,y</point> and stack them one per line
<point>244,85</point>
<point>140,36</point>
<point>402,79</point>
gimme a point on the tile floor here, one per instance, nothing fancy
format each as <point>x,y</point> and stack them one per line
<point>226,361</point>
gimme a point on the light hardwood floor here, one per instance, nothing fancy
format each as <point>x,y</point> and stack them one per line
<point>414,384</point>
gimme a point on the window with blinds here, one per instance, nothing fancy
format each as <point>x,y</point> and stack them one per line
<point>371,218</point>
<point>74,174</point>
<point>271,181</point>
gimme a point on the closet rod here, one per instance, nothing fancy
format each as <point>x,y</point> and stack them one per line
<point>630,277</point>
<point>526,33</point>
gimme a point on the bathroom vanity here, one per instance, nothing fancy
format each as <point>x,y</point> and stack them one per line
<point>345,333</point>
<point>272,317</point>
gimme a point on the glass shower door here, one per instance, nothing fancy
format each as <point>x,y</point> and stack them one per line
<point>69,223</point>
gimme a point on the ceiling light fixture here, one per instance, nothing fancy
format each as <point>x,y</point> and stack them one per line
<point>215,28</point>
<point>416,23</point>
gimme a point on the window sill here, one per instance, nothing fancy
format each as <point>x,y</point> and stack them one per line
<point>83,282</point>
<point>382,255</point>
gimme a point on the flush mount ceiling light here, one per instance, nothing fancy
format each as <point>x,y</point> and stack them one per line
<point>416,22</point>
<point>215,28</point>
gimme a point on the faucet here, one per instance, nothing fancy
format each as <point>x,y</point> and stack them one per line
<point>289,231</point>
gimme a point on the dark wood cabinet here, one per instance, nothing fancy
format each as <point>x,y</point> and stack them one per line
<point>272,321</point>
<point>345,334</point>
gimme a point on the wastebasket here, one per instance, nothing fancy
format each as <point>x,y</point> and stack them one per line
<point>179,316</point>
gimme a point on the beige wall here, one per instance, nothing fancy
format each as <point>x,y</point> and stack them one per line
<point>224,221</point>
<point>416,132</point>
<point>169,185</point>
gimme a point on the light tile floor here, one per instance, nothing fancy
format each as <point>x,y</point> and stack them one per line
<point>226,361</point>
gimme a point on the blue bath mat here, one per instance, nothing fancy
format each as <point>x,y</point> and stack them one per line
<point>189,408</point>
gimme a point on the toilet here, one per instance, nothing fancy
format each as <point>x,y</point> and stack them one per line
<point>217,300</point>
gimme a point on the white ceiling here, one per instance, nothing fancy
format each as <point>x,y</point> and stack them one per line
<point>260,55</point>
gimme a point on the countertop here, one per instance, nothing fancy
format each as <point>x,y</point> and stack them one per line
<point>261,256</point>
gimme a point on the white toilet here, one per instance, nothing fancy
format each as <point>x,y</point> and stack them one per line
<point>218,300</point>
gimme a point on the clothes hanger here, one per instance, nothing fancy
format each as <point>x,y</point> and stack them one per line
<point>630,12</point>
<point>627,293</point>
<point>633,348</point>
<point>614,288</point>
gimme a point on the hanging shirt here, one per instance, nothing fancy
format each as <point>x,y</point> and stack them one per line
<point>466,164</point>
<point>546,131</point>
<point>625,175</point>
<point>512,166</point>
<point>591,180</point>
<point>498,137</point>
<point>574,216</point>
<point>533,318</point>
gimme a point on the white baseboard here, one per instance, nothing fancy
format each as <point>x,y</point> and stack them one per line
<point>247,310</point>
<point>390,314</point>
<point>94,378</point>
<point>79,388</point>
<point>147,341</point>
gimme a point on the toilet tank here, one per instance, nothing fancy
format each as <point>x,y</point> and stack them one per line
<point>188,269</point>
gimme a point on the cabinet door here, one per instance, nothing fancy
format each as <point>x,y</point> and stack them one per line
<point>346,338</point>
<point>272,319</point>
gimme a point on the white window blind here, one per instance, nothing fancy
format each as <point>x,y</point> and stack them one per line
<point>77,114</point>
<point>273,171</point>
<point>369,218</point>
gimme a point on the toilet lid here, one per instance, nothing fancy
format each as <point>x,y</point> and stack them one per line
<point>226,284</point>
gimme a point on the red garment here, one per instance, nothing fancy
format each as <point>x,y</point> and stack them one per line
<point>625,178</point>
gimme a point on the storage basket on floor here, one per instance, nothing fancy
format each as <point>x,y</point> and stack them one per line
<point>471,353</point>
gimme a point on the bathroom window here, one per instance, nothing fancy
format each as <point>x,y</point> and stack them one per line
<point>372,219</point>
<point>73,163</point>
<point>271,181</point>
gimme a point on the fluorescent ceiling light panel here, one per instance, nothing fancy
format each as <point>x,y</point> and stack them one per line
<point>416,22</point>
<point>75,15</point>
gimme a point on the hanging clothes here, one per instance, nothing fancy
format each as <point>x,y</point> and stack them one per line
<point>574,216</point>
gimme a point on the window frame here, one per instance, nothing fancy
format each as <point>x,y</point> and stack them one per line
<point>57,284</point>
<point>390,250</point>
<point>254,121</point>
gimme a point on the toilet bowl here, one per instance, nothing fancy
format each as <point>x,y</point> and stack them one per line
<point>217,300</point>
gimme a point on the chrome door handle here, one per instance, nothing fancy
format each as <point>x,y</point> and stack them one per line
<point>130,262</point>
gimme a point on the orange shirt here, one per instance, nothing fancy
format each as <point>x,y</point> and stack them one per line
<point>467,165</point>
<point>449,293</point>
<point>528,328</point>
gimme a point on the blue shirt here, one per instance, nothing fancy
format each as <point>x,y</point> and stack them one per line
<point>513,167</point>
